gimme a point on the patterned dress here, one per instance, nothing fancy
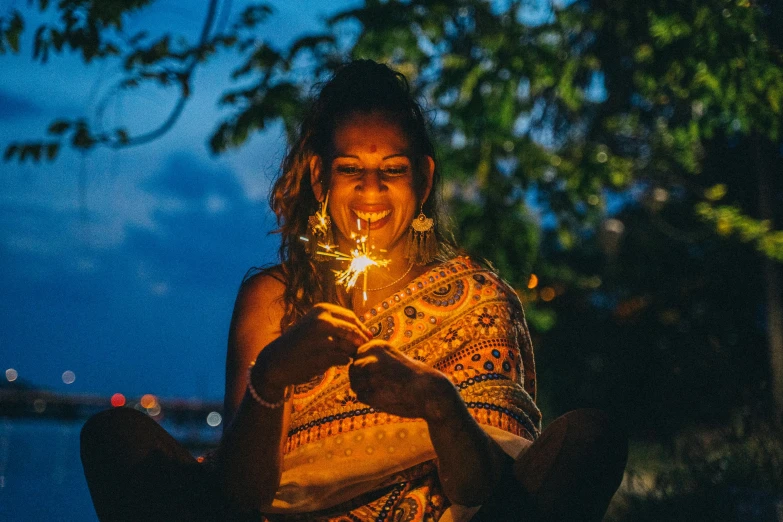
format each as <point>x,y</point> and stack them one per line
<point>345,461</point>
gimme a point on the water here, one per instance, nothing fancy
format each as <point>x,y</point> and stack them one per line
<point>41,476</point>
<point>40,472</point>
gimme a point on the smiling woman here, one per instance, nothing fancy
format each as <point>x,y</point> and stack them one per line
<point>409,400</point>
<point>373,191</point>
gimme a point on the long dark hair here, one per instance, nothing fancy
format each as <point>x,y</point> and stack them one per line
<point>362,86</point>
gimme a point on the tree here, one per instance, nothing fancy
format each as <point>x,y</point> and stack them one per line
<point>567,106</point>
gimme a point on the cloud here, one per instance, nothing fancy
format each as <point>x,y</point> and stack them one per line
<point>186,178</point>
<point>14,106</point>
<point>119,313</point>
<point>211,233</point>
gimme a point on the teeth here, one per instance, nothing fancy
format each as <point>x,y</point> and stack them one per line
<point>371,216</point>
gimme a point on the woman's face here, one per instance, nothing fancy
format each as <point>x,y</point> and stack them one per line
<point>372,182</point>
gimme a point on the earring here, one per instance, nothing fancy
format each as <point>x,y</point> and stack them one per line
<point>422,245</point>
<point>319,231</point>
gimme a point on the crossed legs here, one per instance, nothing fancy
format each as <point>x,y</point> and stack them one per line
<point>137,471</point>
<point>570,473</point>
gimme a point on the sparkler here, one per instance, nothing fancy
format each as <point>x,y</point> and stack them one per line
<point>359,260</point>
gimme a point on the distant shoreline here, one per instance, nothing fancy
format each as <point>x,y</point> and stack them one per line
<point>31,403</point>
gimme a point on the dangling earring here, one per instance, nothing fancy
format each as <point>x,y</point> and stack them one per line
<point>319,232</point>
<point>422,245</point>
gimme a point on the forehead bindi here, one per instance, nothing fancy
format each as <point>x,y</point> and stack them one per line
<point>370,134</point>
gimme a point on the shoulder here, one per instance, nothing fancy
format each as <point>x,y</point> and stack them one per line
<point>481,270</point>
<point>265,282</point>
<point>480,275</point>
<point>262,290</point>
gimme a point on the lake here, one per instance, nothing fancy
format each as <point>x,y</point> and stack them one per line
<point>41,474</point>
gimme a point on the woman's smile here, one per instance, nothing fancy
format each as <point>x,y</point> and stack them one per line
<point>372,220</point>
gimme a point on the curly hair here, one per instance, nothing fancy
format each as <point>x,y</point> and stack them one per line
<point>361,86</point>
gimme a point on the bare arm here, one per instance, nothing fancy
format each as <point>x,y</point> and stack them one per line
<point>250,455</point>
<point>470,463</point>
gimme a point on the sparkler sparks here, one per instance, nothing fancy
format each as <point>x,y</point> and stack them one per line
<point>320,221</point>
<point>359,260</point>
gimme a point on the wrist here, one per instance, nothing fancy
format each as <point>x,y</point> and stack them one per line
<point>265,380</point>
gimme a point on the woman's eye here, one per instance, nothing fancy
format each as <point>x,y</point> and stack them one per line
<point>348,169</point>
<point>397,170</point>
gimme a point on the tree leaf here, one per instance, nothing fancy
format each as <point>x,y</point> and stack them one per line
<point>10,151</point>
<point>58,127</point>
<point>51,150</point>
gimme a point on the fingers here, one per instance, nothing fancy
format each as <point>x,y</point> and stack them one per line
<point>343,350</point>
<point>341,330</point>
<point>365,361</point>
<point>373,346</point>
<point>346,315</point>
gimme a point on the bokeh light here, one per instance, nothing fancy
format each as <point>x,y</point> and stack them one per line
<point>533,281</point>
<point>148,401</point>
<point>214,419</point>
<point>11,374</point>
<point>547,293</point>
<point>39,405</point>
<point>69,377</point>
<point>154,410</point>
<point>118,400</point>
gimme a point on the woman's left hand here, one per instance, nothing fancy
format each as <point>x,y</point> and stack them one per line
<point>392,382</point>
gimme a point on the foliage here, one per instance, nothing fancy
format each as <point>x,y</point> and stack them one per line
<point>571,101</point>
<point>730,220</point>
<point>706,475</point>
<point>94,29</point>
<point>612,148</point>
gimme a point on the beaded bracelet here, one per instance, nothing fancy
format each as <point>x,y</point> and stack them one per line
<point>256,397</point>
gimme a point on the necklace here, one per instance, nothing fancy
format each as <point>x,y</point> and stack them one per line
<point>410,267</point>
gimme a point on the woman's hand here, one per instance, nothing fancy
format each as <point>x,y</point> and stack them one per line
<point>390,381</point>
<point>328,335</point>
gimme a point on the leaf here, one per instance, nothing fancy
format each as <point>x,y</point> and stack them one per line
<point>470,82</point>
<point>310,42</point>
<point>40,45</point>
<point>122,136</point>
<point>58,127</point>
<point>254,15</point>
<point>15,28</point>
<point>82,139</point>
<point>715,192</point>
<point>31,150</point>
<point>51,150</point>
<point>10,151</point>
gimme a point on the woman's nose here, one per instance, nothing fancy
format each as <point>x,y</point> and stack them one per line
<point>371,180</point>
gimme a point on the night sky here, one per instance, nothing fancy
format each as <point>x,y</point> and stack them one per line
<point>129,281</point>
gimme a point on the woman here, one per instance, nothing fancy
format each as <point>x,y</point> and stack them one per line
<point>404,397</point>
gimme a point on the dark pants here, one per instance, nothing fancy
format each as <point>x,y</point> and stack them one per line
<point>136,471</point>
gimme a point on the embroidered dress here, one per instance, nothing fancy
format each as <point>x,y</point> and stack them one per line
<point>345,461</point>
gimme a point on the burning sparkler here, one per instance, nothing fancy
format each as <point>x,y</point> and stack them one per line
<point>360,260</point>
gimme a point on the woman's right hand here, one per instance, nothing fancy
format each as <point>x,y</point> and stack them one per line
<point>328,335</point>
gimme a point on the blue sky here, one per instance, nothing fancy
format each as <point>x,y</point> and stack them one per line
<point>129,281</point>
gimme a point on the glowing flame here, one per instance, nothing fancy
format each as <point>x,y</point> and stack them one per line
<point>360,263</point>
<point>360,260</point>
